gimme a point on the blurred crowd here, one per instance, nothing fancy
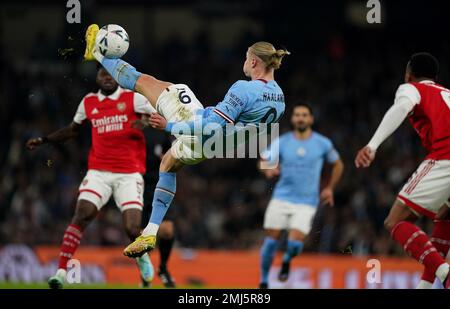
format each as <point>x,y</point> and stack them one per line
<point>349,78</point>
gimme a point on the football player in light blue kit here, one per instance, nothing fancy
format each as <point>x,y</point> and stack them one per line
<point>259,100</point>
<point>302,153</point>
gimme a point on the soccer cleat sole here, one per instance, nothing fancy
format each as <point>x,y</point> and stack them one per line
<point>136,254</point>
<point>140,246</point>
<point>90,36</point>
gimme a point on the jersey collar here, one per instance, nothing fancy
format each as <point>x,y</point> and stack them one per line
<point>427,81</point>
<point>113,96</point>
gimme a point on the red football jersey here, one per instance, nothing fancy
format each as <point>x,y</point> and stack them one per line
<point>116,146</point>
<point>431,119</point>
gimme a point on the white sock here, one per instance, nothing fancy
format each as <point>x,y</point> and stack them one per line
<point>442,271</point>
<point>423,284</point>
<point>61,273</point>
<point>150,229</point>
<point>97,55</point>
<point>145,257</point>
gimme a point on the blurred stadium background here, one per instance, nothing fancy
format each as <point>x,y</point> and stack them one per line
<point>346,68</point>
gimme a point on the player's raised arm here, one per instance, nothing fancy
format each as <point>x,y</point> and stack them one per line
<point>58,136</point>
<point>63,134</point>
<point>406,98</point>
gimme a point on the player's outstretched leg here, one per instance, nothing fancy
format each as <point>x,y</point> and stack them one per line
<point>85,212</point>
<point>124,73</point>
<point>71,240</point>
<point>162,198</point>
<point>294,248</point>
<point>132,221</point>
<point>415,242</point>
<point>90,36</point>
<point>267,253</point>
<point>440,238</point>
<point>165,243</point>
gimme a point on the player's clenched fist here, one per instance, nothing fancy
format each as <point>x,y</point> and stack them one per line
<point>34,142</point>
<point>364,157</point>
<point>157,121</point>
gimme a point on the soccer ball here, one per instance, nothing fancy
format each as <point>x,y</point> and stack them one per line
<point>112,41</point>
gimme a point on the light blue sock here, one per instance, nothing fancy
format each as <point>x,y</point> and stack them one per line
<point>163,196</point>
<point>294,248</point>
<point>123,72</point>
<point>267,253</point>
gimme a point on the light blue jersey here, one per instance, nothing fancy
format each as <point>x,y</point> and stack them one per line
<point>246,102</point>
<point>256,101</point>
<point>301,163</point>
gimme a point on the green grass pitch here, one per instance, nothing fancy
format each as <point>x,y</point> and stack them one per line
<point>43,285</point>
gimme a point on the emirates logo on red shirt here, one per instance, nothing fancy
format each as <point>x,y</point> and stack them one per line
<point>121,106</point>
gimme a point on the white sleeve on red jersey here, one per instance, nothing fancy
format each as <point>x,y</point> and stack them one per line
<point>409,92</point>
<point>142,105</point>
<point>80,115</point>
<point>406,97</point>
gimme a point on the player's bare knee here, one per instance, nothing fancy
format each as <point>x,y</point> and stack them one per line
<point>132,229</point>
<point>169,164</point>
<point>297,235</point>
<point>389,224</point>
<point>166,230</point>
<point>399,212</point>
<point>150,87</point>
<point>85,212</point>
<point>443,213</point>
<point>164,167</point>
<point>144,81</point>
<point>275,234</point>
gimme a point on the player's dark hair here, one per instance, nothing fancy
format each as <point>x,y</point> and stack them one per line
<point>303,104</point>
<point>424,65</point>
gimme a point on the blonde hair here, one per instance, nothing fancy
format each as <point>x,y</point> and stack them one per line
<point>268,54</point>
